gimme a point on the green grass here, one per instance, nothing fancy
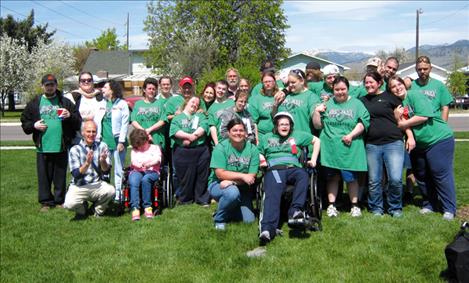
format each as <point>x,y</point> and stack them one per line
<point>11,116</point>
<point>182,246</point>
<point>461,135</point>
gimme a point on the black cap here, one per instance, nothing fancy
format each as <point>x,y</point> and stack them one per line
<point>313,65</point>
<point>49,78</point>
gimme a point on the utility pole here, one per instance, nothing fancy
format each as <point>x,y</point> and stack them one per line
<point>128,31</point>
<point>418,12</point>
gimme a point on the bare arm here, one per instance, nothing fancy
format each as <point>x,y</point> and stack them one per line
<point>445,113</point>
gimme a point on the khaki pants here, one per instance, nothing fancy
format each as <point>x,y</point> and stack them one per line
<point>99,193</point>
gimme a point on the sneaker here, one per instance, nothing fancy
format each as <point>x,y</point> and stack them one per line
<point>264,238</point>
<point>425,211</point>
<point>378,214</point>
<point>44,208</point>
<point>149,213</point>
<point>136,214</point>
<point>220,226</point>
<point>355,211</point>
<point>332,211</point>
<point>448,216</point>
<point>297,220</point>
<point>397,214</point>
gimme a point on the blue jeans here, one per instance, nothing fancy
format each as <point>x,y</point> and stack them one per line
<point>118,159</point>
<point>147,179</point>
<point>433,169</point>
<point>391,156</point>
<point>233,204</point>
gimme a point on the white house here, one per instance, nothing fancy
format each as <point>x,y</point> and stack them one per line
<point>300,60</point>
<point>408,70</point>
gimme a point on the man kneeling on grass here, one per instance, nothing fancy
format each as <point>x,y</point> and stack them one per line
<point>89,161</point>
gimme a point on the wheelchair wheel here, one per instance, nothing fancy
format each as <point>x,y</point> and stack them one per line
<point>168,189</point>
<point>315,205</point>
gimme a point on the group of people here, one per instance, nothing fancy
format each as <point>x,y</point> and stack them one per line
<point>216,142</point>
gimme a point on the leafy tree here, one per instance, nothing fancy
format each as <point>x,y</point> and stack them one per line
<point>241,32</point>
<point>25,30</point>
<point>14,67</point>
<point>400,53</point>
<point>106,41</point>
<point>80,53</point>
<point>456,81</point>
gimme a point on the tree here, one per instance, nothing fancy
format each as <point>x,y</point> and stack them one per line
<point>400,53</point>
<point>80,53</point>
<point>241,32</point>
<point>14,67</point>
<point>106,41</point>
<point>25,30</point>
<point>456,81</point>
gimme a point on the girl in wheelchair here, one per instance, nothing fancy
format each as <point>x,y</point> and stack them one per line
<point>281,151</point>
<point>145,165</point>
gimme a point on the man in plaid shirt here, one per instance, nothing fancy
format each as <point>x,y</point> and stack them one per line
<point>89,161</point>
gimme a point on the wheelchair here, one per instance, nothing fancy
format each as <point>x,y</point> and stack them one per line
<point>162,192</point>
<point>313,208</point>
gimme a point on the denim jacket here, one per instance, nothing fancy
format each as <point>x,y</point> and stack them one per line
<point>119,119</point>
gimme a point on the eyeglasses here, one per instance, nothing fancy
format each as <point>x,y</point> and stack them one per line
<point>86,80</point>
<point>298,73</point>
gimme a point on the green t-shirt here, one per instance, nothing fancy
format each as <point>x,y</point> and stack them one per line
<point>225,156</point>
<point>314,86</point>
<point>321,89</point>
<point>300,105</point>
<point>51,139</point>
<point>436,91</point>
<point>188,124</point>
<point>256,90</point>
<point>108,137</point>
<point>148,114</point>
<point>173,104</point>
<point>260,107</point>
<point>359,91</point>
<point>338,120</point>
<point>434,129</point>
<point>278,150</point>
<point>215,110</point>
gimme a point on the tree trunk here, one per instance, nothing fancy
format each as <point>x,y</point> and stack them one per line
<point>11,101</point>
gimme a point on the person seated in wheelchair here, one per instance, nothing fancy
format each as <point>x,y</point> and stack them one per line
<point>234,165</point>
<point>281,151</point>
<point>145,159</point>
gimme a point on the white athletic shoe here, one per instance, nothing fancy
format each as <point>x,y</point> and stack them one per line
<point>355,211</point>
<point>332,211</point>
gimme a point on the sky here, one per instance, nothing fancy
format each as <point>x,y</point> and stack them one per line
<point>366,26</point>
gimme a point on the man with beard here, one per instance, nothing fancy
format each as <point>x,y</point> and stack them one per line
<point>53,120</point>
<point>232,77</point>
<point>433,89</point>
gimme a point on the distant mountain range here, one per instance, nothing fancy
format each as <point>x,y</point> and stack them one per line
<point>441,55</point>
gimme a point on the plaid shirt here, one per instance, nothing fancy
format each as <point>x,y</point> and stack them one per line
<point>77,157</point>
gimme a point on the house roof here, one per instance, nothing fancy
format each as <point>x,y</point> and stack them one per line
<point>407,66</point>
<point>114,62</point>
<point>305,53</point>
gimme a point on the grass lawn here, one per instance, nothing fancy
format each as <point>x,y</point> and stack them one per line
<point>11,116</point>
<point>182,246</point>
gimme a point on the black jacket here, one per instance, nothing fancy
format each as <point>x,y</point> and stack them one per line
<point>70,125</point>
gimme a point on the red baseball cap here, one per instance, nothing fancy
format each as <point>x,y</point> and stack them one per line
<point>186,80</point>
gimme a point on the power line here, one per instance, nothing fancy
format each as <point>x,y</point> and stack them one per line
<point>93,16</point>
<point>448,16</point>
<point>61,30</point>
<point>58,13</point>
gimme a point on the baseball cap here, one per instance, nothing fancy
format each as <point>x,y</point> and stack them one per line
<point>313,65</point>
<point>186,80</point>
<point>330,69</point>
<point>49,78</point>
<point>374,61</point>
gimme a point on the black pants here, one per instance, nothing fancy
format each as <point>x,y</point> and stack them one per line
<point>52,168</point>
<point>192,167</point>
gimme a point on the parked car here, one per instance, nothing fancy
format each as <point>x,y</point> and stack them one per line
<point>461,102</point>
<point>131,100</point>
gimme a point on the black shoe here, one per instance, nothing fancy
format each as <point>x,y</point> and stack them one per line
<point>79,217</point>
<point>264,238</point>
<point>298,220</point>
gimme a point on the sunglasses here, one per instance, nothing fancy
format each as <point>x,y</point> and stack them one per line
<point>86,80</point>
<point>298,73</point>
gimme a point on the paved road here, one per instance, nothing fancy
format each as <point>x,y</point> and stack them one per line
<point>13,131</point>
